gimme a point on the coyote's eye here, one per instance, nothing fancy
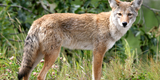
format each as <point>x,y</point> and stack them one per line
<point>129,14</point>
<point>119,14</point>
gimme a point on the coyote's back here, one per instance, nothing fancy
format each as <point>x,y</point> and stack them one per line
<point>97,32</point>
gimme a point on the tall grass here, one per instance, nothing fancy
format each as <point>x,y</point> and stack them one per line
<point>78,66</point>
<point>132,69</point>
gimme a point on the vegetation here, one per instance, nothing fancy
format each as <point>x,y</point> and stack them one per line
<point>135,57</point>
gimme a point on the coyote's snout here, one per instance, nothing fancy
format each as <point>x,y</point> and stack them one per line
<point>97,32</point>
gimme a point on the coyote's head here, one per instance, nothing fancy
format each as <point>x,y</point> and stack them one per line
<point>124,13</point>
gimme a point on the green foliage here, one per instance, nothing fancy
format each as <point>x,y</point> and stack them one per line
<point>148,40</point>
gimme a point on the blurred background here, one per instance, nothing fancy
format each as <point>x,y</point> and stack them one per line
<point>16,17</point>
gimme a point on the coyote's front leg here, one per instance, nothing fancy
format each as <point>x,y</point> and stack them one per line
<point>98,54</point>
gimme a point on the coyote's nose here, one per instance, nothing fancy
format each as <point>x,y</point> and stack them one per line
<point>124,24</point>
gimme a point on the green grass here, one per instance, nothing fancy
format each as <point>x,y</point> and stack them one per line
<point>79,65</point>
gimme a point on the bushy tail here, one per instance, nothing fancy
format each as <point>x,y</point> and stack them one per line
<point>30,49</point>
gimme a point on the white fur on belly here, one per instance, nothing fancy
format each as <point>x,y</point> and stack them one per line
<point>75,44</point>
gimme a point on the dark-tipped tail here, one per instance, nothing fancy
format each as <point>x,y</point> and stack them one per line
<point>24,71</point>
<point>29,56</point>
<point>20,76</point>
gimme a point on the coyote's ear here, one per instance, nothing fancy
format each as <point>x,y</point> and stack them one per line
<point>137,4</point>
<point>113,3</point>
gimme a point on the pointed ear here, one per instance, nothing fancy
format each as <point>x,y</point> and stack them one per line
<point>137,4</point>
<point>113,3</point>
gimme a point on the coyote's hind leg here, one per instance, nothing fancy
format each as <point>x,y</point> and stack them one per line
<point>49,60</point>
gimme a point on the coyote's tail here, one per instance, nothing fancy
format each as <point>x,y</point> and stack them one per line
<point>30,49</point>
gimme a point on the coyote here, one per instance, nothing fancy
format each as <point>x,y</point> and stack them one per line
<point>97,32</point>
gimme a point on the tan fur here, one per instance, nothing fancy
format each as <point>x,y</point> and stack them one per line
<point>117,1</point>
<point>97,32</point>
